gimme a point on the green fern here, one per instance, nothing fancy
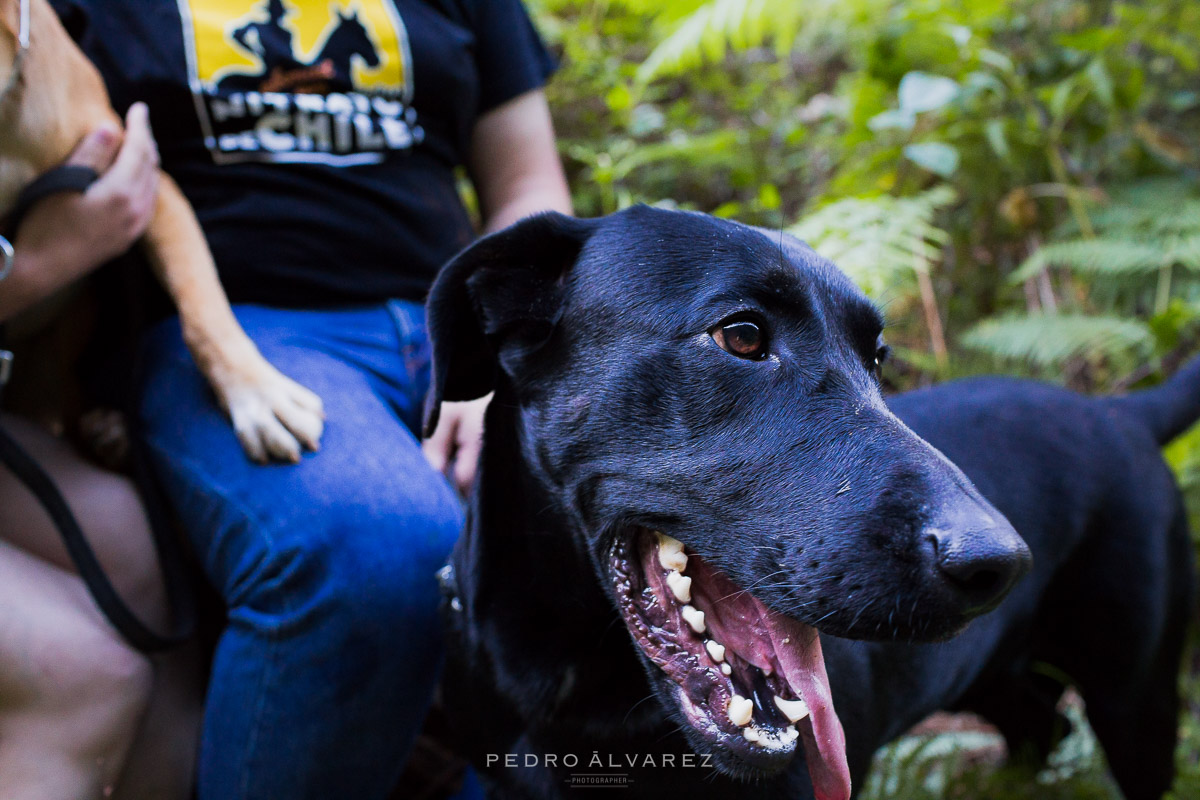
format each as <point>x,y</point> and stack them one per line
<point>1152,208</point>
<point>1051,340</point>
<point>879,241</point>
<point>707,33</point>
<point>1140,240</point>
<point>1112,255</point>
<point>1146,227</point>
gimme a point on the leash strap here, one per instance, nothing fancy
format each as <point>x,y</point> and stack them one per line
<point>29,472</point>
<point>67,178</point>
<point>177,578</point>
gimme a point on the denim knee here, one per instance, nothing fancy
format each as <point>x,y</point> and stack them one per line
<point>360,574</point>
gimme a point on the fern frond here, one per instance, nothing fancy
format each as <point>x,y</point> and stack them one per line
<point>878,241</point>
<point>708,32</point>
<point>1050,340</point>
<point>1186,252</point>
<point>1108,256</point>
<point>1169,215</point>
<point>1097,256</point>
<point>672,10</point>
<point>701,151</point>
<point>1148,208</point>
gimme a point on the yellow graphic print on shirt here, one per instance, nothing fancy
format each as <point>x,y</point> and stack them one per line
<point>319,81</point>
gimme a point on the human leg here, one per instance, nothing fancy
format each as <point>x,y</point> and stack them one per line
<point>321,680</point>
<point>72,691</point>
<point>108,508</point>
<point>161,761</point>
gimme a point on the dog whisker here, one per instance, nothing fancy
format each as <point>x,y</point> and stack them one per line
<point>633,707</point>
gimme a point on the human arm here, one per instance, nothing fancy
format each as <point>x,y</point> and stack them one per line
<point>515,167</point>
<point>515,164</point>
<point>66,236</point>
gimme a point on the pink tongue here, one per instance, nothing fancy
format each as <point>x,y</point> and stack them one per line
<point>798,649</point>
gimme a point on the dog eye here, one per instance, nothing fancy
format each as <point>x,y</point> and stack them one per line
<point>741,338</point>
<point>881,355</point>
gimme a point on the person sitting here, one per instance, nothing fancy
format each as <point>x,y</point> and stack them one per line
<point>329,205</point>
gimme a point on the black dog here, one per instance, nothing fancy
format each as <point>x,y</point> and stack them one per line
<point>688,436</point>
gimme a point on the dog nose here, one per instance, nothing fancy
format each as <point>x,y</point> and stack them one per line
<point>979,556</point>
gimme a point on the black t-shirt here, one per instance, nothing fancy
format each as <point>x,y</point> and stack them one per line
<point>317,139</point>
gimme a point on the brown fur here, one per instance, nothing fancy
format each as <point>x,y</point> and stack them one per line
<point>59,99</point>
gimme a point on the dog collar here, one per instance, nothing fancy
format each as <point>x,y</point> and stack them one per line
<point>15,77</point>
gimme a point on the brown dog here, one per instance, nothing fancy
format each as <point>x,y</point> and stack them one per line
<point>54,97</point>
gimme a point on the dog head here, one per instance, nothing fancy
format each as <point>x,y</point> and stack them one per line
<point>701,399</point>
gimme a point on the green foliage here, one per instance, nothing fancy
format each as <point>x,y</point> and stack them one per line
<point>710,29</point>
<point>1051,340</point>
<point>1143,247</point>
<point>879,241</point>
<point>1107,256</point>
<point>921,767</point>
<point>722,142</point>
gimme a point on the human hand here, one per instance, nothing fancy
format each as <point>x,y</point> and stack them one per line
<point>64,236</point>
<point>454,447</point>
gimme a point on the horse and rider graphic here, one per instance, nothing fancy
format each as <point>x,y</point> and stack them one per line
<point>271,43</point>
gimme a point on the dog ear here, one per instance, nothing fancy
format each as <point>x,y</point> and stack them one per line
<point>497,301</point>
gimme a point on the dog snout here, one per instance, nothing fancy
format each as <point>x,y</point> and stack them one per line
<point>976,555</point>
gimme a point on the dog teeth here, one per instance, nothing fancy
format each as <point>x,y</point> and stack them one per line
<point>681,586</point>
<point>717,651</point>
<point>741,709</point>
<point>770,740</point>
<point>694,617</point>
<point>726,669</point>
<point>670,553</point>
<point>794,710</point>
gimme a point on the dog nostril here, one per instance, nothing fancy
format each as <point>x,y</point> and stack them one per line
<point>977,582</point>
<point>979,565</point>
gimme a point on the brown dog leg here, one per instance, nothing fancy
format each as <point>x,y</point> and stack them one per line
<point>273,416</point>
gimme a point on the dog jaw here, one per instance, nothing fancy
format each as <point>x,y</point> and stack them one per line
<point>748,682</point>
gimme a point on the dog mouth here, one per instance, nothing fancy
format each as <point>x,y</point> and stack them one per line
<point>750,682</point>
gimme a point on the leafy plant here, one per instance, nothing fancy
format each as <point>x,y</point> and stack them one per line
<point>1143,247</point>
<point>886,244</point>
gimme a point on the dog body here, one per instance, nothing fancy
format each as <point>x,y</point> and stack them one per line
<point>648,456</point>
<point>55,98</point>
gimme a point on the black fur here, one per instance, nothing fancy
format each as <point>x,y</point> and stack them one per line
<point>615,407</point>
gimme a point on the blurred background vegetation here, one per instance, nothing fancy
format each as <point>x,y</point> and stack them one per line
<point>1016,183</point>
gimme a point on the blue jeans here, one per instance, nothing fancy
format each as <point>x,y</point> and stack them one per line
<point>325,670</point>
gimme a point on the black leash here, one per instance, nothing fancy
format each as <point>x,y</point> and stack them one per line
<point>69,178</point>
<point>176,575</point>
